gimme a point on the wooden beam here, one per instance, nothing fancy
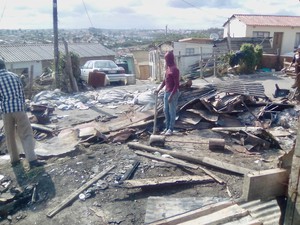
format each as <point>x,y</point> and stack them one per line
<point>226,166</point>
<point>159,181</point>
<point>265,184</point>
<point>181,163</point>
<point>198,160</point>
<point>74,195</point>
<point>172,161</point>
<point>292,215</point>
<point>236,129</point>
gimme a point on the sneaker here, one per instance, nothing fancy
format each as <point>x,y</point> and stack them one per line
<point>164,131</point>
<point>169,132</point>
<point>36,163</point>
<point>22,156</point>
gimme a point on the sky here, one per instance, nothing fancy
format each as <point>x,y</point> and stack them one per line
<point>136,14</point>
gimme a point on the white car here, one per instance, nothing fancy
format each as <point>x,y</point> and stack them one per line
<point>113,72</point>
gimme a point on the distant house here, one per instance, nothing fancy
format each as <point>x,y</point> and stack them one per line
<point>190,53</point>
<point>32,59</point>
<point>284,31</point>
<point>141,61</point>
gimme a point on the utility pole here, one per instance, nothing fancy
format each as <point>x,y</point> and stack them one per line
<point>55,41</point>
<point>228,36</point>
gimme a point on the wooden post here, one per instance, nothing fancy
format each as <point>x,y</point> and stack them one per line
<point>215,60</point>
<point>200,63</point>
<point>228,36</point>
<point>292,215</point>
<point>55,41</point>
<point>69,69</point>
<point>30,81</point>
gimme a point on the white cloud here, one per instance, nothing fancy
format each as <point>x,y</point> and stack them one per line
<point>177,14</point>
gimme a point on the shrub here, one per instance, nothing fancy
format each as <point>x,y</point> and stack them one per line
<point>258,55</point>
<point>248,61</point>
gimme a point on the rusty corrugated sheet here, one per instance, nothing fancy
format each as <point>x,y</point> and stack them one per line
<point>242,88</point>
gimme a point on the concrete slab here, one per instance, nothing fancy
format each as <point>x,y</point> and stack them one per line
<point>163,207</point>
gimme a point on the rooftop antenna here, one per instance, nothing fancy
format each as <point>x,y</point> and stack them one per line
<point>214,36</point>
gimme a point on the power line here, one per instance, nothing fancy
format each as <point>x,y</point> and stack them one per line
<point>190,4</point>
<point>87,13</point>
<point>2,14</point>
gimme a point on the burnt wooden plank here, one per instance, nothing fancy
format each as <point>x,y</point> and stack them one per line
<point>163,181</point>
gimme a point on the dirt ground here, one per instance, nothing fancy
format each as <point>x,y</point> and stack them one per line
<point>109,202</point>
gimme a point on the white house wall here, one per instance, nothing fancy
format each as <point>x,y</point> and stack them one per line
<point>289,35</point>
<point>237,29</point>
<point>37,67</point>
<point>201,51</point>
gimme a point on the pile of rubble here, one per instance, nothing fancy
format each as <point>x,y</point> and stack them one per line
<point>244,119</point>
<point>236,107</point>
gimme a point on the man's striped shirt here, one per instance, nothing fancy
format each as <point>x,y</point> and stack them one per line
<point>11,92</point>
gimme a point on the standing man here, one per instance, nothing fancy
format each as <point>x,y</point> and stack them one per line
<point>15,119</point>
<point>296,61</point>
<point>171,84</point>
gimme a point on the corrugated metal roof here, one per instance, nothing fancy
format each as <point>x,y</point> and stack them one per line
<point>268,212</point>
<point>39,52</point>
<point>267,20</point>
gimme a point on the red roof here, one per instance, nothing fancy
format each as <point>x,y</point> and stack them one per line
<point>267,20</point>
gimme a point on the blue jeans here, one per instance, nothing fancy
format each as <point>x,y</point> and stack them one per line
<point>170,109</point>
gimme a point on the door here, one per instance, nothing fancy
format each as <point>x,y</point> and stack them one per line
<point>277,42</point>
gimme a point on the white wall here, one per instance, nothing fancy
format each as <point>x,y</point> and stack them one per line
<point>202,51</point>
<point>289,35</point>
<point>37,67</point>
<point>237,28</point>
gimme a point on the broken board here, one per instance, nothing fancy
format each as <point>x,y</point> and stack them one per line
<point>163,181</point>
<point>265,184</point>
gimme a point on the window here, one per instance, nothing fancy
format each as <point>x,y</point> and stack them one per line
<point>297,40</point>
<point>189,51</point>
<point>89,65</point>
<point>262,34</point>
